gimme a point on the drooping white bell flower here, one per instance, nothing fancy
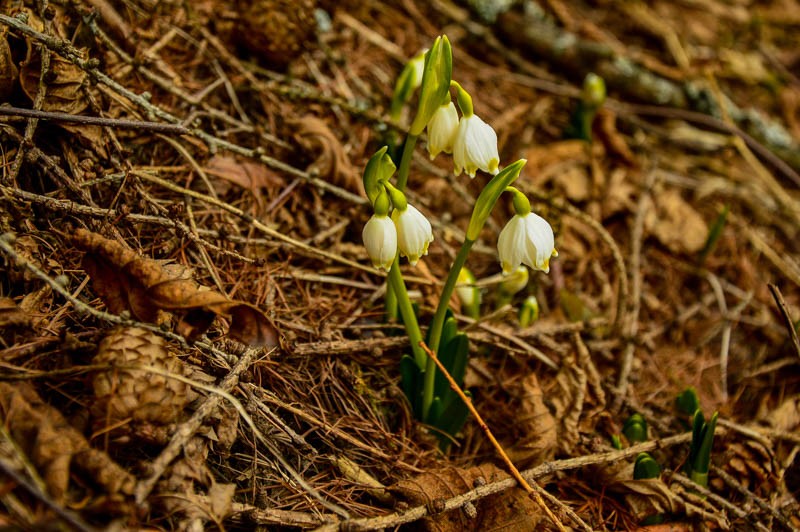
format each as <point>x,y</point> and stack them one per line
<point>526,239</point>
<point>380,239</point>
<point>414,233</point>
<point>442,129</point>
<point>475,147</point>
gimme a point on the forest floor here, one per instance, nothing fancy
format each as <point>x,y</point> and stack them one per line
<point>181,186</point>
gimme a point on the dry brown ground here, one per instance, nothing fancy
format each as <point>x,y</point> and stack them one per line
<point>126,403</point>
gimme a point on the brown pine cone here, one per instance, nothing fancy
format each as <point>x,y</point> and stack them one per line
<point>137,398</point>
<point>276,30</point>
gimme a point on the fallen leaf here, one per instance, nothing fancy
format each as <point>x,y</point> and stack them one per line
<point>508,510</point>
<point>11,315</point>
<point>330,158</point>
<point>54,446</point>
<point>786,417</point>
<point>567,396</point>
<point>605,126</point>
<point>646,497</point>
<point>249,175</point>
<point>8,70</point>
<point>65,80</point>
<point>676,224</point>
<point>128,282</point>
<point>535,438</point>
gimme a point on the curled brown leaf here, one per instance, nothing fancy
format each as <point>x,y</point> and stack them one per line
<point>128,282</point>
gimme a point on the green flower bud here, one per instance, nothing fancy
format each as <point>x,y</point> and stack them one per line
<point>687,402</point>
<point>635,428</point>
<point>514,282</point>
<point>646,467</point>
<point>409,80</point>
<point>594,90</point>
<point>529,311</point>
<point>469,294</point>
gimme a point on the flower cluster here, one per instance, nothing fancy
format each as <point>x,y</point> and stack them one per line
<point>526,239</point>
<point>395,225</point>
<point>472,141</point>
<point>407,231</point>
<point>396,228</point>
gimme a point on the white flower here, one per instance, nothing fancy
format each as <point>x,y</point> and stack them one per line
<point>528,240</point>
<point>414,233</point>
<point>475,147</point>
<point>380,239</point>
<point>442,128</point>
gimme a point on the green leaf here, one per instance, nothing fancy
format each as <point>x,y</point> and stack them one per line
<point>454,416</point>
<point>459,366</point>
<point>714,232</point>
<point>435,412</point>
<point>411,381</point>
<point>453,356</point>
<point>449,330</point>
<point>697,436</point>
<point>645,467</point>
<point>702,459</point>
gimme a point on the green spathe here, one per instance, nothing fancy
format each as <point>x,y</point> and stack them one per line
<point>378,171</point>
<point>489,196</point>
<point>435,83</point>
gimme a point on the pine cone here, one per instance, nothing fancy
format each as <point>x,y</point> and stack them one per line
<point>752,464</point>
<point>277,30</point>
<point>142,397</point>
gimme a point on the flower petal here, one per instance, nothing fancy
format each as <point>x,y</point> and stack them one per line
<point>380,239</point>
<point>414,233</point>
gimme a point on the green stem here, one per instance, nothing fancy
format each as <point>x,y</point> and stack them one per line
<point>405,161</point>
<point>402,180</point>
<point>398,287</point>
<point>438,323</point>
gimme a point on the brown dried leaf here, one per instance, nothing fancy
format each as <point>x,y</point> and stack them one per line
<point>11,315</point>
<point>605,127</point>
<point>142,286</point>
<point>508,510</point>
<point>647,497</point>
<point>54,445</point>
<point>786,418</point>
<point>65,79</point>
<point>544,156</point>
<point>8,70</point>
<point>179,492</point>
<point>330,159</point>
<point>243,173</point>
<point>676,224</point>
<point>567,399</point>
<point>535,439</point>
